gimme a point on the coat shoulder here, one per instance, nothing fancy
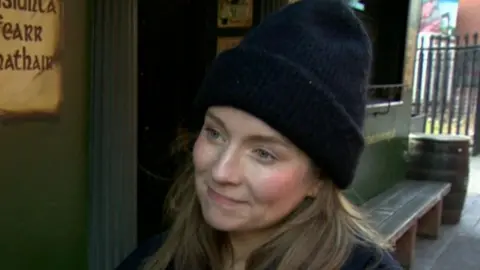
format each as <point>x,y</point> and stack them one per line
<point>136,259</point>
<point>366,257</point>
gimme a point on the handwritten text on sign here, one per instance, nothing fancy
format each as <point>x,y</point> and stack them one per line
<point>30,72</point>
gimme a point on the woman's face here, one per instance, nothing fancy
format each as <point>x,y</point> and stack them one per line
<point>247,175</point>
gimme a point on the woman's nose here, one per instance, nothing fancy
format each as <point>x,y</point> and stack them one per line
<point>227,168</point>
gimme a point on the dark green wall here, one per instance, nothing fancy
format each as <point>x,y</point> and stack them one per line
<point>382,163</point>
<point>43,183</point>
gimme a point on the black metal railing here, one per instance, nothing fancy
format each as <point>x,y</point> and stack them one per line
<point>446,83</point>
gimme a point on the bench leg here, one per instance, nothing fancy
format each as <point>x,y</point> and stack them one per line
<point>405,247</point>
<point>429,224</point>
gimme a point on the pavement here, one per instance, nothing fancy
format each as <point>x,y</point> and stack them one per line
<point>458,247</point>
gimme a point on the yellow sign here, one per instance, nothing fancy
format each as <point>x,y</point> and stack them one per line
<point>235,13</point>
<point>374,138</point>
<point>30,69</point>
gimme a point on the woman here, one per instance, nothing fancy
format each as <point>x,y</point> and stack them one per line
<point>280,137</point>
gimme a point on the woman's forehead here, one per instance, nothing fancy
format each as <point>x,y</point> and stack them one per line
<point>244,124</point>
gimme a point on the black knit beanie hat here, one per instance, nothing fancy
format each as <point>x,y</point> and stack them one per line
<point>303,71</point>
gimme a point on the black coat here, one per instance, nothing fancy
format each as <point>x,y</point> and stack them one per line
<point>360,259</point>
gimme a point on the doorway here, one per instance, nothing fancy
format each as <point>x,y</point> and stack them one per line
<point>172,57</point>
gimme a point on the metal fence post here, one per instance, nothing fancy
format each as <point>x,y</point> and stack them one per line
<point>476,78</point>
<point>476,134</point>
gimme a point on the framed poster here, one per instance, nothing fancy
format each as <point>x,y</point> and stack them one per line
<point>30,67</point>
<point>225,43</point>
<point>235,13</point>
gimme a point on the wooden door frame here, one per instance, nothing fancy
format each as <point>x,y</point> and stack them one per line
<point>112,133</point>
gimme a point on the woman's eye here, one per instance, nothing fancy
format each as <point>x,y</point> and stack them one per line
<point>212,134</point>
<point>265,155</point>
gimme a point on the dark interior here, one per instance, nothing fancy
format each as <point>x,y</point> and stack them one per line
<point>389,22</point>
<point>172,60</point>
<point>176,42</point>
<point>386,24</point>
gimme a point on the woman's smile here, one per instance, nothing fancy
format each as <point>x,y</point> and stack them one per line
<point>222,200</point>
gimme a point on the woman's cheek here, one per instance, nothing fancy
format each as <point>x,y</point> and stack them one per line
<point>198,149</point>
<point>203,152</point>
<point>275,185</point>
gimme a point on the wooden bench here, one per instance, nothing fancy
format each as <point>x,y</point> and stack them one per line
<point>408,209</point>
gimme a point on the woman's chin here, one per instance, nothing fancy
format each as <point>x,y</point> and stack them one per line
<point>222,223</point>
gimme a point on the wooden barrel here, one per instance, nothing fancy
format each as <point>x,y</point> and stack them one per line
<point>442,158</point>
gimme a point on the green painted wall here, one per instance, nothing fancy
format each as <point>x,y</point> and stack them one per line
<point>382,163</point>
<point>43,183</point>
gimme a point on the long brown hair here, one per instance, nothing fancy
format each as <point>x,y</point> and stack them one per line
<point>320,234</point>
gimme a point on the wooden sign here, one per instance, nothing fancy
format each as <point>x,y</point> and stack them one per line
<point>235,13</point>
<point>225,43</point>
<point>30,70</point>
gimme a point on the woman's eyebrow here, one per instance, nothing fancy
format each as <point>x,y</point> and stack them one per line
<point>268,139</point>
<point>253,138</point>
<point>216,119</point>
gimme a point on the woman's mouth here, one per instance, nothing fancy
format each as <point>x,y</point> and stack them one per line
<point>221,199</point>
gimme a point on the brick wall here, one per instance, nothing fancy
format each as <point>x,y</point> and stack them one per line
<point>468,18</point>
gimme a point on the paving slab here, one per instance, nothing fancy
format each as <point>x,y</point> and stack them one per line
<point>458,248</point>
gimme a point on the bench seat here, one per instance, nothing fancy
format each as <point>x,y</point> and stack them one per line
<point>408,209</point>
